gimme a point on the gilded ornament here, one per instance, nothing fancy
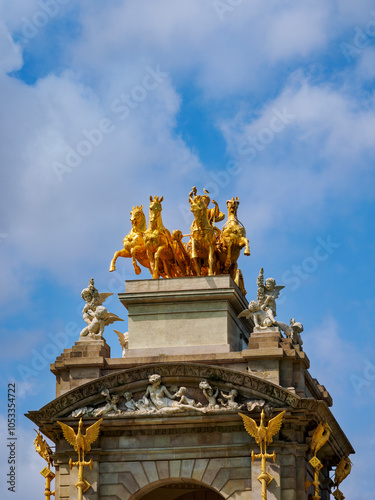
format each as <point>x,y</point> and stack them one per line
<point>82,445</point>
<point>263,437</point>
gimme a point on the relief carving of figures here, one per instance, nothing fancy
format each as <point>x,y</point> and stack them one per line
<point>229,401</point>
<point>158,399</point>
<point>209,394</point>
<point>94,314</point>
<point>110,408</point>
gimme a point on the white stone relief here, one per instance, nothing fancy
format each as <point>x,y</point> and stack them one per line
<point>160,400</point>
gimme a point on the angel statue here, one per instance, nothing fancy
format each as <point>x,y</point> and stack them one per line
<point>263,435</point>
<point>124,341</point>
<point>94,314</point>
<point>268,292</point>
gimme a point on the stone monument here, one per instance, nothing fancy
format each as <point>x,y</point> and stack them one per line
<point>198,358</point>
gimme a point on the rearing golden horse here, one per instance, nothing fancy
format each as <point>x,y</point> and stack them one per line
<point>134,245</point>
<point>231,241</point>
<point>203,237</point>
<point>158,242</point>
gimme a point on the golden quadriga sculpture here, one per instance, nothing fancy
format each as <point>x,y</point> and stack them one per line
<point>210,250</point>
<point>44,450</point>
<point>263,436</point>
<point>81,444</point>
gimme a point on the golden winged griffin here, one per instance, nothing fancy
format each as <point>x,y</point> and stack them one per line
<point>209,251</point>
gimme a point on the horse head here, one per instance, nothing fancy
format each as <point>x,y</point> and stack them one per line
<point>233,206</point>
<point>155,210</point>
<point>137,218</point>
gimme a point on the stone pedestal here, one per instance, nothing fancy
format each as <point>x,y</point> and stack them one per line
<point>80,364</point>
<point>185,315</point>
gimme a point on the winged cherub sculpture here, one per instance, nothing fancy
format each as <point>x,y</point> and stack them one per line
<point>81,442</point>
<point>94,314</point>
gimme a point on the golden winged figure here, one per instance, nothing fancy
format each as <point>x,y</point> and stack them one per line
<point>43,448</point>
<point>81,443</point>
<point>342,470</point>
<point>320,437</point>
<point>263,435</point>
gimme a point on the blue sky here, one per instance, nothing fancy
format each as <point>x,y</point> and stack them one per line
<point>269,101</point>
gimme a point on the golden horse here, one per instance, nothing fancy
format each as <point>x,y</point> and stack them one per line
<point>134,245</point>
<point>231,241</point>
<point>158,243</point>
<point>202,243</point>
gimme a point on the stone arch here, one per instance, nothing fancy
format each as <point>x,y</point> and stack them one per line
<point>177,489</point>
<point>226,476</point>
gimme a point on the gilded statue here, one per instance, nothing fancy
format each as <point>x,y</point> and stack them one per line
<point>133,243</point>
<point>82,445</point>
<point>203,237</point>
<point>158,242</point>
<point>81,442</point>
<point>232,240</point>
<point>342,471</point>
<point>43,448</point>
<point>210,250</point>
<point>320,437</point>
<point>263,437</point>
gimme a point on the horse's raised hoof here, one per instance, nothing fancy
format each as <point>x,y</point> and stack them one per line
<point>137,270</point>
<point>247,253</point>
<point>112,268</point>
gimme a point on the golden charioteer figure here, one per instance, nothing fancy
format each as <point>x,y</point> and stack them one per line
<point>210,250</point>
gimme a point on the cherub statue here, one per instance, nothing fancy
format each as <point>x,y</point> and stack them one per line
<point>100,320</point>
<point>230,400</point>
<point>263,310</point>
<point>130,404</point>
<point>210,395</point>
<point>260,318</point>
<point>93,299</point>
<point>124,341</point>
<point>186,402</point>
<point>111,405</point>
<point>268,292</point>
